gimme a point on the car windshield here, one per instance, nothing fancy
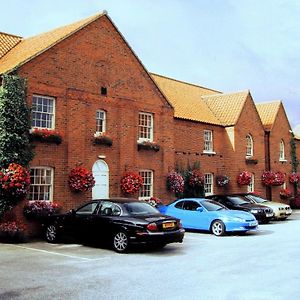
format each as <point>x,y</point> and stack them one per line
<point>140,208</point>
<point>256,199</point>
<point>237,200</point>
<point>211,205</point>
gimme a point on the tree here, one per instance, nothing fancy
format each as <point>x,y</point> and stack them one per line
<point>14,122</point>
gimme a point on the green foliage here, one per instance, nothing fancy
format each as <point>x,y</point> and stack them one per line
<point>14,122</point>
<point>294,159</point>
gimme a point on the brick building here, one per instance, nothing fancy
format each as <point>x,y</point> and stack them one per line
<point>84,79</point>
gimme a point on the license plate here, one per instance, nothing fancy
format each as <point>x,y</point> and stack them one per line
<point>269,215</point>
<point>168,225</point>
<point>253,223</point>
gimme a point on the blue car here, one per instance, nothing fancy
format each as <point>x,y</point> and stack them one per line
<point>204,214</point>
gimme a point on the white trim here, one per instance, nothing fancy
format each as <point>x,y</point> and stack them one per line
<point>211,185</point>
<point>51,179</point>
<point>151,185</point>
<point>210,142</point>
<point>151,127</point>
<point>53,114</point>
<point>249,139</point>
<point>103,121</point>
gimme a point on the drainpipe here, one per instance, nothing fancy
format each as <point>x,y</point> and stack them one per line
<point>268,162</point>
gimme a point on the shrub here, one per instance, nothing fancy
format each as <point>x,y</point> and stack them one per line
<point>39,209</point>
<point>12,231</point>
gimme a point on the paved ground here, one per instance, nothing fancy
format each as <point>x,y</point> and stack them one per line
<point>260,265</point>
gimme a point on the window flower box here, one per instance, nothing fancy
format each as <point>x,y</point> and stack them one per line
<point>251,161</point>
<point>45,135</point>
<point>147,145</point>
<point>101,138</point>
<point>35,210</point>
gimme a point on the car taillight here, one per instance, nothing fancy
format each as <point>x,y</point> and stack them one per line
<point>152,227</point>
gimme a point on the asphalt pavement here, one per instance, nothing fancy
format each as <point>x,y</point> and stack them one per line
<point>260,265</point>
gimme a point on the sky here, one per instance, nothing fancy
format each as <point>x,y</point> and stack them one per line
<point>226,45</point>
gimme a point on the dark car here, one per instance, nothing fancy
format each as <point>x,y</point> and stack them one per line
<point>121,222</point>
<point>262,213</point>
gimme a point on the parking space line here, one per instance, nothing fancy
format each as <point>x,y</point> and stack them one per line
<point>59,254</point>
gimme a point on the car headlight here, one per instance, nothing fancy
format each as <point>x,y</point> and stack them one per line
<point>254,211</point>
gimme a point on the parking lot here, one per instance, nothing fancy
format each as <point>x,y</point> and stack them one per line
<point>259,265</point>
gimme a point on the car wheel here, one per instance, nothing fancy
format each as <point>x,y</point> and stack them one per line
<point>218,228</point>
<point>120,242</point>
<point>51,233</point>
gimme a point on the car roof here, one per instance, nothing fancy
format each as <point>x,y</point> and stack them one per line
<point>195,199</point>
<point>119,200</point>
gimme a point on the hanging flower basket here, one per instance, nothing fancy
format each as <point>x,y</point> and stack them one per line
<point>154,201</point>
<point>268,178</point>
<point>279,178</point>
<point>101,138</point>
<point>294,177</point>
<point>131,183</point>
<point>244,178</point>
<point>222,180</point>
<point>45,135</point>
<point>196,179</point>
<point>14,181</point>
<point>175,182</point>
<point>81,180</point>
<point>147,145</point>
<point>285,194</point>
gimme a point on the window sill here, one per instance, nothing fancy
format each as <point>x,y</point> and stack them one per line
<point>209,152</point>
<point>283,160</point>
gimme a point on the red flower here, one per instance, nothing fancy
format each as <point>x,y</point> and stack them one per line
<point>196,179</point>
<point>131,183</point>
<point>294,178</point>
<point>244,178</point>
<point>80,179</point>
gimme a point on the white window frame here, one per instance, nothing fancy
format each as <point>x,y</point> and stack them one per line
<point>146,192</point>
<point>250,186</point>
<point>208,184</point>
<point>33,185</point>
<point>208,141</point>
<point>48,113</point>
<point>249,145</point>
<point>147,116</point>
<point>282,151</point>
<point>98,121</point>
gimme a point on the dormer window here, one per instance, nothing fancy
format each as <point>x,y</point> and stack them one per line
<point>249,146</point>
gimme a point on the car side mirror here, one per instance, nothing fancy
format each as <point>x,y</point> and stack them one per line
<point>200,209</point>
<point>72,212</point>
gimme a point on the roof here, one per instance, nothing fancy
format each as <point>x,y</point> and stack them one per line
<point>28,48</point>
<point>186,99</point>
<point>7,42</point>
<point>268,112</point>
<point>227,107</point>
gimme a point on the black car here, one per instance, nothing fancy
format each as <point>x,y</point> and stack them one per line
<point>121,222</point>
<point>262,213</point>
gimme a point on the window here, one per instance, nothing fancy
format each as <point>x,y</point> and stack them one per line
<point>249,146</point>
<point>88,209</point>
<point>281,151</point>
<point>250,187</point>
<point>41,183</point>
<point>208,141</point>
<point>43,112</point>
<point>191,205</point>
<point>145,127</point>
<point>100,121</point>
<point>146,192</point>
<point>208,184</point>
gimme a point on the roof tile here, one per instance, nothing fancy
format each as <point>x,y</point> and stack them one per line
<point>7,42</point>
<point>268,112</point>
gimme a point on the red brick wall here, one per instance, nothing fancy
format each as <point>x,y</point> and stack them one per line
<point>73,72</point>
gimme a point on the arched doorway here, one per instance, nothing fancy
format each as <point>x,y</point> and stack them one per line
<point>101,175</point>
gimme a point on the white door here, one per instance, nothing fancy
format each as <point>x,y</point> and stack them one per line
<point>101,175</point>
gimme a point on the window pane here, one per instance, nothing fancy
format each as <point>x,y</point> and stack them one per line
<point>42,112</point>
<point>41,184</point>
<point>145,126</point>
<point>147,188</point>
